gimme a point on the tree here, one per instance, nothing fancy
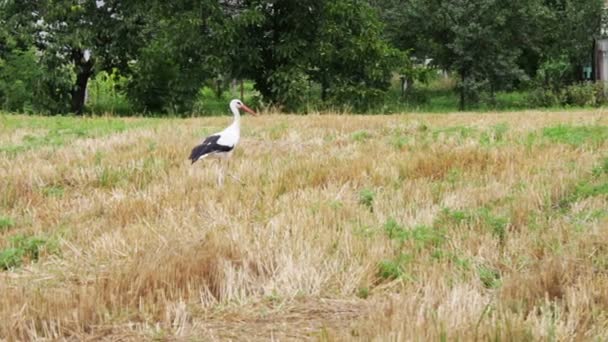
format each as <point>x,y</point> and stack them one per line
<point>290,45</point>
<point>481,40</point>
<point>352,62</point>
<point>571,27</point>
<point>186,43</point>
<point>82,36</point>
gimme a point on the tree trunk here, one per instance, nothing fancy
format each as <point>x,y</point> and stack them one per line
<point>84,71</point>
<point>324,87</point>
<point>462,104</point>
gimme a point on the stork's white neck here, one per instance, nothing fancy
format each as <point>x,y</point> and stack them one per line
<point>236,113</point>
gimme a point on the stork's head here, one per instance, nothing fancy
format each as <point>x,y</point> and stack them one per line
<point>238,104</point>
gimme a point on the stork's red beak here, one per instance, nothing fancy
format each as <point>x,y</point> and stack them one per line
<point>248,110</point>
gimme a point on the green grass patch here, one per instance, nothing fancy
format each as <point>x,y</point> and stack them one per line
<point>601,169</point>
<point>391,269</point>
<point>60,130</point>
<point>461,132</point>
<point>398,141</point>
<point>6,223</point>
<point>360,136</point>
<point>366,198</point>
<point>481,217</point>
<point>495,135</point>
<point>576,135</point>
<point>421,236</point>
<point>25,248</point>
<point>490,278</point>
<point>11,258</point>
<point>53,191</point>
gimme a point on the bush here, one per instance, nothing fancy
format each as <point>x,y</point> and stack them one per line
<point>541,97</point>
<point>584,94</point>
<point>580,95</point>
<point>26,87</point>
<point>163,82</point>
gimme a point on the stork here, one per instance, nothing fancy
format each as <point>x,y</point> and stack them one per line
<point>222,144</point>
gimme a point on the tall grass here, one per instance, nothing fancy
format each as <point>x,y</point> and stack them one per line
<point>416,227</point>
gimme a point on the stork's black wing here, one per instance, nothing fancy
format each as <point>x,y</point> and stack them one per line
<point>208,146</point>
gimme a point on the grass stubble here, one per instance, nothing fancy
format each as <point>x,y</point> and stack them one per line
<point>411,227</point>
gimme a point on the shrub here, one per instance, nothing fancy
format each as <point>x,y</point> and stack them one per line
<point>366,198</point>
<point>6,223</point>
<point>584,94</point>
<point>541,97</point>
<point>10,258</point>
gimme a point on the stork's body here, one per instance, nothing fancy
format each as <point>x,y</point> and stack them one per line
<point>222,144</point>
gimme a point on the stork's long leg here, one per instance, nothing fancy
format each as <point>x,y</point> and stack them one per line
<point>229,162</point>
<point>222,172</point>
<point>218,171</point>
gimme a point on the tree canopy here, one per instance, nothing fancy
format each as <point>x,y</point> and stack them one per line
<point>341,53</point>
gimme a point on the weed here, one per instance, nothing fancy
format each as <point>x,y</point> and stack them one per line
<point>394,230</point>
<point>394,268</point>
<point>583,190</point>
<point>601,169</point>
<point>53,191</point>
<point>6,223</point>
<point>366,198</point>
<point>360,136</point>
<point>398,142</point>
<point>363,292</point>
<point>490,278</point>
<point>497,224</point>
<point>25,247</point>
<point>422,236</point>
<point>10,258</point>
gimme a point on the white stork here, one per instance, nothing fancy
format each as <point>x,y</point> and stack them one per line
<point>222,144</point>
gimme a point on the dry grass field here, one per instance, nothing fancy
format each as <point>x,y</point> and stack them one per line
<point>412,227</point>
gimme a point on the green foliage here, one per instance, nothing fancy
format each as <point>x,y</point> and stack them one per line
<point>421,236</point>
<point>452,33</point>
<point>353,69</point>
<point>482,217</point>
<point>6,223</point>
<point>25,86</point>
<point>296,47</point>
<point>565,44</point>
<point>107,94</point>
<point>395,268</point>
<point>595,186</point>
<point>53,191</point>
<point>360,136</point>
<point>187,46</point>
<point>498,45</point>
<point>496,224</point>
<point>578,95</point>
<point>601,169</point>
<point>288,87</point>
<point>363,292</point>
<point>74,41</point>
<point>490,278</point>
<point>24,247</point>
<point>10,258</point>
<point>583,95</point>
<point>151,88</point>
<point>366,198</point>
<point>540,97</point>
